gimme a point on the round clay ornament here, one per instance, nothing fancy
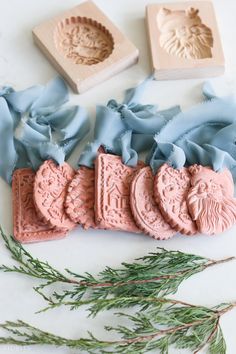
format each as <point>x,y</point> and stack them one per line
<point>79,202</point>
<point>171,188</point>
<point>144,209</point>
<point>50,188</point>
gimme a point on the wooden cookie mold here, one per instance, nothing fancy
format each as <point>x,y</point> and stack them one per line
<point>184,40</point>
<point>85,46</point>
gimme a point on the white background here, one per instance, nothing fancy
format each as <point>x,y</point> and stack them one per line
<point>22,65</point>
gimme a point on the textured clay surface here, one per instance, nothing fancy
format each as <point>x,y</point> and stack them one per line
<point>112,193</point>
<point>27,225</point>
<point>183,34</point>
<point>210,200</point>
<point>79,202</point>
<point>171,187</point>
<point>83,40</point>
<point>144,208</point>
<point>50,188</point>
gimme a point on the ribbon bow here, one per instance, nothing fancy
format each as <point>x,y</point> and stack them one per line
<point>126,129</point>
<point>205,134</point>
<point>34,126</point>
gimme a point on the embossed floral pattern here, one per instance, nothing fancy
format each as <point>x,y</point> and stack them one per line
<point>49,193</point>
<point>113,193</point>
<point>171,189</point>
<point>28,227</point>
<point>79,201</point>
<point>83,41</point>
<point>144,208</point>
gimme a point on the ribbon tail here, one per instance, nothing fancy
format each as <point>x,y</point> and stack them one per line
<point>21,101</point>
<point>53,95</point>
<point>167,153</point>
<point>8,152</point>
<point>208,91</point>
<point>88,156</point>
<point>129,155</point>
<point>220,159</point>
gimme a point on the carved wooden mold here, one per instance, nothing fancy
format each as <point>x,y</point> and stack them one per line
<point>83,40</point>
<point>84,46</point>
<point>184,40</point>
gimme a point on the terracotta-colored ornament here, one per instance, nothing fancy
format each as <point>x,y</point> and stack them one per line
<point>79,202</point>
<point>50,188</point>
<point>211,199</point>
<point>184,40</point>
<point>85,46</point>
<point>112,193</point>
<point>145,211</point>
<point>28,227</point>
<point>171,187</point>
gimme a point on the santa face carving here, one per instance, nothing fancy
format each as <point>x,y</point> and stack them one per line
<point>210,200</point>
<point>184,35</point>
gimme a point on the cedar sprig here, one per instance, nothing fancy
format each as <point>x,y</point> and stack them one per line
<point>155,275</point>
<point>28,265</point>
<point>166,323</point>
<point>158,324</point>
<point>24,334</point>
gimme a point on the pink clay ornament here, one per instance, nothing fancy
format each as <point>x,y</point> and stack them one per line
<point>79,202</point>
<point>51,183</point>
<point>28,227</point>
<point>210,199</point>
<point>144,208</point>
<point>112,193</point>
<point>171,187</point>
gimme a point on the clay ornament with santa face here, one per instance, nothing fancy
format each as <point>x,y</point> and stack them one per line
<point>210,200</point>
<point>183,34</point>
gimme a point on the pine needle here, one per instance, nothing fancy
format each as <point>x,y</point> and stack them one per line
<point>157,274</point>
<point>165,324</point>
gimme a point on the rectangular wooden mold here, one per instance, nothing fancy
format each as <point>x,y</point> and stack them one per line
<point>184,40</point>
<point>85,46</point>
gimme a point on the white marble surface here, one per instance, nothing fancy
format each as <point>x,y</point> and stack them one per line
<point>21,65</point>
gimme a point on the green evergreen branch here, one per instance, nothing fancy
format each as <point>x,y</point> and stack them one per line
<point>157,274</point>
<point>158,324</point>
<point>28,265</point>
<point>99,305</point>
<point>167,323</point>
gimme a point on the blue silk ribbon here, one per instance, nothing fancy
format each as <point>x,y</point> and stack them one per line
<point>48,130</point>
<point>205,134</point>
<point>126,129</point>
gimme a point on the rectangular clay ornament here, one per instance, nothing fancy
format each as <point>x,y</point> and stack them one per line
<point>85,46</point>
<point>28,227</point>
<point>184,40</point>
<point>112,193</point>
